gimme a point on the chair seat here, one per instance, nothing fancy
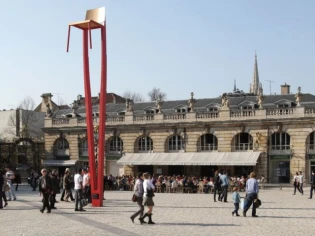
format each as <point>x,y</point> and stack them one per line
<point>85,24</point>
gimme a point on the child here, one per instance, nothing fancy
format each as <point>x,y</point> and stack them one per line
<point>236,200</point>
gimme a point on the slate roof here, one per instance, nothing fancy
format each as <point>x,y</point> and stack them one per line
<point>270,101</point>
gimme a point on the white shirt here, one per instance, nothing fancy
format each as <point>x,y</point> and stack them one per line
<point>86,180</point>
<point>301,178</point>
<point>147,184</point>
<point>9,175</point>
<point>77,181</point>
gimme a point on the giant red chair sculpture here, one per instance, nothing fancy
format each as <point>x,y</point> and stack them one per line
<point>94,19</point>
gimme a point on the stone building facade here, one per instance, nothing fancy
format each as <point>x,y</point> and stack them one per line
<point>276,131</point>
<point>271,134</point>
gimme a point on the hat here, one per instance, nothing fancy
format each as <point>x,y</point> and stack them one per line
<point>68,169</point>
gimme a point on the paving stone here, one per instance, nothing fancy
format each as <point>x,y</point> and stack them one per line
<point>281,213</point>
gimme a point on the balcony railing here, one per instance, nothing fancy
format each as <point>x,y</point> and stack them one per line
<point>280,112</point>
<point>61,121</point>
<point>242,147</point>
<point>255,114</point>
<point>175,117</point>
<point>309,110</point>
<point>115,119</point>
<point>176,148</point>
<point>280,150</point>
<point>310,149</point>
<point>143,117</point>
<point>208,115</point>
<point>243,113</point>
<point>208,148</point>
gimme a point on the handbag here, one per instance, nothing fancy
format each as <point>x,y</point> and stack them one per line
<point>6,188</point>
<point>257,203</point>
<point>134,198</point>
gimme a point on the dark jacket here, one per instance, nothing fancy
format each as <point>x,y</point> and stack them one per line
<point>66,182</point>
<point>216,181</point>
<point>313,180</point>
<point>1,184</point>
<point>55,184</point>
<point>48,187</point>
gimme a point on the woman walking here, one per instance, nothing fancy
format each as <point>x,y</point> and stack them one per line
<point>296,182</point>
<point>148,189</point>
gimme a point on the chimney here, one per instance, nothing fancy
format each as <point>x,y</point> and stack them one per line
<point>285,89</point>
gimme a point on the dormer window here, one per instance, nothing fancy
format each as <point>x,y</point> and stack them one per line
<point>149,112</point>
<point>121,112</point>
<point>247,107</point>
<point>283,105</point>
<point>212,109</point>
<point>182,109</point>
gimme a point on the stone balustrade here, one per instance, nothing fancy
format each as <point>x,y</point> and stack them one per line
<point>221,115</point>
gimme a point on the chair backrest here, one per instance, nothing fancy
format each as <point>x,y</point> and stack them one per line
<point>97,14</point>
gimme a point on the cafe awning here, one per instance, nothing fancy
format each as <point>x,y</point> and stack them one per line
<point>59,162</point>
<point>191,158</point>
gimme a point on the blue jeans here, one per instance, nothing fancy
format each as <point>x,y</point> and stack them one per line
<point>78,198</point>
<point>250,198</point>
<point>236,207</point>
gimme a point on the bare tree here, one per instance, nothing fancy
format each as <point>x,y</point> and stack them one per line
<point>155,93</point>
<point>136,97</point>
<point>25,122</point>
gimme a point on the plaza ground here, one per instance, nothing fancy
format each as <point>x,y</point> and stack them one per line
<point>174,214</point>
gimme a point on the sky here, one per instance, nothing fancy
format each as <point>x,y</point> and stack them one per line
<point>179,46</point>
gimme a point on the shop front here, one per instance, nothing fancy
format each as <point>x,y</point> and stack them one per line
<point>279,168</point>
<point>311,158</point>
<point>199,164</point>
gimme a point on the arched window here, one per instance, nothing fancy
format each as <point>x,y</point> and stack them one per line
<point>145,144</point>
<point>83,149</point>
<point>310,143</point>
<point>208,142</point>
<point>242,142</point>
<point>115,145</point>
<point>61,147</point>
<point>176,143</point>
<point>280,141</point>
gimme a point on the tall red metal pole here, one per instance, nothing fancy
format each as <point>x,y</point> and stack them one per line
<point>97,176</point>
<point>102,121</point>
<point>88,111</point>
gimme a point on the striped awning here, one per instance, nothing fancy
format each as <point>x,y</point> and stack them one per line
<point>59,162</point>
<point>191,158</point>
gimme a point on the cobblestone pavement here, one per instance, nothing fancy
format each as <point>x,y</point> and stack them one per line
<point>174,214</point>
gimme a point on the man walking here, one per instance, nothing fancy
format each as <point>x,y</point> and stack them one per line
<point>138,191</point>
<point>45,188</point>
<point>78,187</point>
<point>301,179</point>
<point>55,189</point>
<point>313,185</point>
<point>252,190</point>
<point>224,185</point>
<point>216,185</point>
<point>10,177</point>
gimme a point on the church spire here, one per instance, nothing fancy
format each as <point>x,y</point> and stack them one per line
<point>255,85</point>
